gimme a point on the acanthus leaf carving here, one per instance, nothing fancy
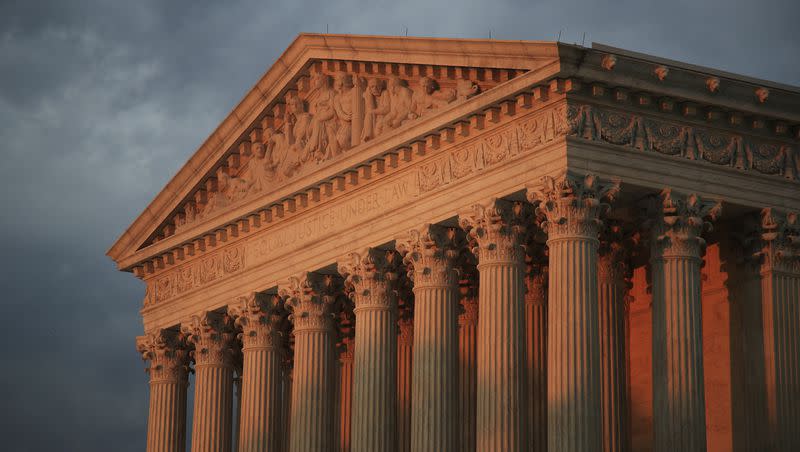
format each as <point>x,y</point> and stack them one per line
<point>498,228</point>
<point>213,336</point>
<point>372,274</point>
<point>262,320</point>
<point>572,205</point>
<point>430,252</point>
<point>680,221</point>
<point>780,241</point>
<point>310,299</point>
<point>168,354</point>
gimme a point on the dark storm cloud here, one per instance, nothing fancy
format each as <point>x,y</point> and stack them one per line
<point>101,102</point>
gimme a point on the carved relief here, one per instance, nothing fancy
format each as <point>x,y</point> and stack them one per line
<point>261,318</point>
<point>430,253</point>
<point>168,354</point>
<point>680,220</point>
<point>498,230</point>
<point>780,239</point>
<point>213,337</point>
<point>572,205</point>
<point>310,299</point>
<point>694,143</point>
<point>341,110</point>
<point>199,274</point>
<point>372,275</point>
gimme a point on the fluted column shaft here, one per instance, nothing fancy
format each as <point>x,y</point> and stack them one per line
<point>260,417</point>
<point>572,207</point>
<point>345,396</point>
<point>166,422</point>
<point>467,371</point>
<point>310,297</point>
<point>405,347</point>
<point>613,352</point>
<point>372,274</point>
<point>212,335</point>
<point>780,305</point>
<point>434,390</point>
<point>536,346</point>
<point>498,229</point>
<point>678,376</point>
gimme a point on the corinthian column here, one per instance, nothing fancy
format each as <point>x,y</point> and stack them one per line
<point>405,347</point>
<point>572,207</point>
<point>497,229</point>
<point>612,274</point>
<point>169,366</point>
<point>309,297</point>
<point>260,319</point>
<point>212,335</point>
<point>678,382</point>
<point>536,345</point>
<point>345,350</point>
<point>372,274</point>
<point>430,251</point>
<point>468,357</point>
<point>780,305</point>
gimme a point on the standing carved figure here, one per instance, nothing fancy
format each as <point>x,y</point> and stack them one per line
<point>322,144</point>
<point>378,104</point>
<point>343,102</point>
<point>289,148</point>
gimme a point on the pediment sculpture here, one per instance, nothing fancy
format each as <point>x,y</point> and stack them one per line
<point>337,112</point>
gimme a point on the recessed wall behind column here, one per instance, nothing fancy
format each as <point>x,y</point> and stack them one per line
<point>716,356</point>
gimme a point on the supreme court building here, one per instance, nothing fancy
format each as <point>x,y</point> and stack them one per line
<point>401,244</point>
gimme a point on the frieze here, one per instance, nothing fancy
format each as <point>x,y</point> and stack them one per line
<point>315,124</point>
<point>679,140</point>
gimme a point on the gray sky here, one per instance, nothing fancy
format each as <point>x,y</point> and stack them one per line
<point>100,105</point>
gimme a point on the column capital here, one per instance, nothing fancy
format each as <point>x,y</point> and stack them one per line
<point>310,297</point>
<point>536,272</point>
<point>678,222</point>
<point>614,253</point>
<point>431,251</point>
<point>572,204</point>
<point>261,318</point>
<point>168,354</point>
<point>372,274</point>
<point>498,228</point>
<point>780,241</point>
<point>212,334</point>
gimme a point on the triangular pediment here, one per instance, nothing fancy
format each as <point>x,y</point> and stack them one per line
<point>324,97</point>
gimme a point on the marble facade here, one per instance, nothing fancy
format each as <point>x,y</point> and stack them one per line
<point>414,244</point>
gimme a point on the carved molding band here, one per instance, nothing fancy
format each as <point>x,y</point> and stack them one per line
<point>680,140</point>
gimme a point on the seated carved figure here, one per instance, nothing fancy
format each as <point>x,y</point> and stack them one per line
<point>400,105</point>
<point>377,104</point>
<point>428,97</point>
<point>296,129</point>
<point>322,144</point>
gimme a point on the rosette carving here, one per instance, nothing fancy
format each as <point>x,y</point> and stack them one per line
<point>168,354</point>
<point>310,299</point>
<point>780,238</point>
<point>213,335</point>
<point>680,220</point>
<point>430,253</point>
<point>498,228</point>
<point>261,318</point>
<point>372,275</point>
<point>571,205</point>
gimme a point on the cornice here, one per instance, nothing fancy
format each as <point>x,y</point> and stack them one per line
<point>276,81</point>
<point>450,125</point>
